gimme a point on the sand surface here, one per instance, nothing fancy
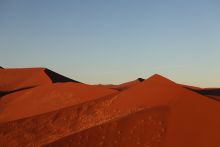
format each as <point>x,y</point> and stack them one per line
<point>39,107</point>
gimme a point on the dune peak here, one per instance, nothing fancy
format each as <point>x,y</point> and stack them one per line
<point>158,77</point>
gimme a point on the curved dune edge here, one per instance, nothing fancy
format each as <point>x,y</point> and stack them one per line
<point>144,127</point>
<point>123,86</point>
<point>16,79</point>
<point>47,98</point>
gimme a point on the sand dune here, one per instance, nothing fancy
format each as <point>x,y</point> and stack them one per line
<point>142,128</point>
<point>155,112</point>
<point>47,98</point>
<point>23,78</point>
<point>123,86</point>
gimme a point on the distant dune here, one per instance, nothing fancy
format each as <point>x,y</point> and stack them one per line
<point>39,107</point>
<point>123,86</point>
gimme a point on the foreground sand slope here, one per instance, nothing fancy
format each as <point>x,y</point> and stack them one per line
<point>143,128</point>
<point>47,98</point>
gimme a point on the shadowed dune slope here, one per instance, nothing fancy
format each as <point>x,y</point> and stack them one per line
<point>188,122</point>
<point>47,98</point>
<point>203,91</point>
<point>57,78</point>
<point>210,92</point>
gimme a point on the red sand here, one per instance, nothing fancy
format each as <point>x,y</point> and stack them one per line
<point>13,79</point>
<point>24,78</point>
<point>142,128</point>
<point>154,113</point>
<point>47,98</point>
<point>123,86</point>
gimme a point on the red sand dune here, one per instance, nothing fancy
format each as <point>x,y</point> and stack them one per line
<point>23,78</point>
<point>47,98</point>
<point>154,113</point>
<point>142,128</point>
<point>13,79</point>
<point>123,86</point>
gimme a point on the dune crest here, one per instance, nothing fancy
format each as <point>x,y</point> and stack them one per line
<point>17,79</point>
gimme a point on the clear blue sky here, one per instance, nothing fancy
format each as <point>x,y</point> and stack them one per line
<point>113,41</point>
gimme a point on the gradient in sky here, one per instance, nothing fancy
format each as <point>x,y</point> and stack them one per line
<point>114,41</point>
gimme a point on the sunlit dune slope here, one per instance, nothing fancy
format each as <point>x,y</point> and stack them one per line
<point>15,79</point>
<point>145,127</point>
<point>47,98</point>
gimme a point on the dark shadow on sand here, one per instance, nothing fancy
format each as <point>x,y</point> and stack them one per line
<point>3,93</point>
<point>140,79</point>
<point>56,78</point>
<point>208,92</point>
<point>214,92</point>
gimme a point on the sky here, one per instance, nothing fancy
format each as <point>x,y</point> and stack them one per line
<point>114,41</point>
